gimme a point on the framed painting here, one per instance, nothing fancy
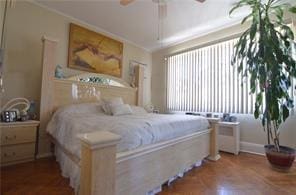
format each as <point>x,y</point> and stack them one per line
<point>93,52</point>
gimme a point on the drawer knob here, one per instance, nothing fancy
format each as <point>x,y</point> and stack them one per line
<point>7,155</point>
<point>10,138</point>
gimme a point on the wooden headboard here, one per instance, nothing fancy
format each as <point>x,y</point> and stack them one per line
<point>60,92</point>
<point>67,91</point>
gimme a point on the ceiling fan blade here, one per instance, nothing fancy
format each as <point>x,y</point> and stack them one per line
<point>126,2</point>
<point>201,1</point>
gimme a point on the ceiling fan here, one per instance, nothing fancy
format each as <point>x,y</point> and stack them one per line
<point>162,13</point>
<point>162,6</point>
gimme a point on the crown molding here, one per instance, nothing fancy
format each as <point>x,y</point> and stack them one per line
<point>93,27</point>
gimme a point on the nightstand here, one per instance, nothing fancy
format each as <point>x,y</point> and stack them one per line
<point>18,142</point>
<point>229,137</point>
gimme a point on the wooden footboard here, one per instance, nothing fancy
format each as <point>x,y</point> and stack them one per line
<point>138,171</point>
<point>98,162</point>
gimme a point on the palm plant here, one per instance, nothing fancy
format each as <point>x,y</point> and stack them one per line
<point>265,53</point>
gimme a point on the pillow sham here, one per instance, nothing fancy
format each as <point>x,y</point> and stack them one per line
<point>82,108</point>
<point>138,110</point>
<point>106,105</point>
<point>123,109</point>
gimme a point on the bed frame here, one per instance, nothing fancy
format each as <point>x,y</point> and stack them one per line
<point>103,171</point>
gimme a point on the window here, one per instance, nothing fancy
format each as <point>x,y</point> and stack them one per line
<point>203,80</point>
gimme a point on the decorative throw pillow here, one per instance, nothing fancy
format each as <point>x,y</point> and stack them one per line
<point>138,110</point>
<point>106,104</point>
<point>123,109</point>
<point>82,108</point>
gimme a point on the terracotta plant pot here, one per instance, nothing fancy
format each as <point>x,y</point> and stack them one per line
<point>283,159</point>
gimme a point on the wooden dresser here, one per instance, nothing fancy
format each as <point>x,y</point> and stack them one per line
<point>18,142</point>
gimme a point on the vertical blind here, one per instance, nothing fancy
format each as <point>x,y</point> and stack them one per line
<point>203,80</point>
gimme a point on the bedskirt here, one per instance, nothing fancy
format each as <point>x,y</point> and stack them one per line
<point>71,170</point>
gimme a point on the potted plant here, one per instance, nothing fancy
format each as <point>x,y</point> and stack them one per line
<point>265,53</point>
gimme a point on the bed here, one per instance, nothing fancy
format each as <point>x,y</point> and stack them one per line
<point>137,131</point>
<point>109,159</point>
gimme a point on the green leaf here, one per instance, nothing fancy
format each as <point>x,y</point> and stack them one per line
<point>279,13</point>
<point>286,112</point>
<point>274,108</point>
<point>236,6</point>
<point>293,9</point>
<point>288,32</point>
<point>246,18</point>
<point>253,31</point>
<point>259,98</point>
<point>256,113</point>
<point>263,122</point>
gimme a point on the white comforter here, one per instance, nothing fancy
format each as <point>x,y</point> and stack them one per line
<point>135,130</point>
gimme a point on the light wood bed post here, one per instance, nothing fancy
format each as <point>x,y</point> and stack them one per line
<point>214,151</point>
<point>47,93</point>
<point>98,163</point>
<point>139,74</point>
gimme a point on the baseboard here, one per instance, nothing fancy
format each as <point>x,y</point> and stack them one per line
<point>45,155</point>
<point>252,148</point>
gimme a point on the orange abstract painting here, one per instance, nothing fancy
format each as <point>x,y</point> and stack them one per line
<point>94,52</point>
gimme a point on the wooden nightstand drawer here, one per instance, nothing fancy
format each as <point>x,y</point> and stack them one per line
<point>16,135</point>
<point>18,141</point>
<point>20,152</point>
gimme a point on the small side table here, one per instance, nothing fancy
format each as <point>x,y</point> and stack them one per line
<point>229,137</point>
<point>18,142</point>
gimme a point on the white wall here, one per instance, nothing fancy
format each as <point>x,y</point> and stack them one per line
<point>2,6</point>
<point>2,9</point>
<point>251,129</point>
<point>26,24</point>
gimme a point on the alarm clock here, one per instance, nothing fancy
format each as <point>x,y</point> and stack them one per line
<point>9,116</point>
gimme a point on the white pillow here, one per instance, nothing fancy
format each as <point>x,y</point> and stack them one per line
<point>138,110</point>
<point>111,102</point>
<point>123,109</point>
<point>81,108</point>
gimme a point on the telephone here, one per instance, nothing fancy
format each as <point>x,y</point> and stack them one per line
<point>11,111</point>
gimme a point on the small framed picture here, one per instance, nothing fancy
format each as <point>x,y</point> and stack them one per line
<point>226,117</point>
<point>209,115</point>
